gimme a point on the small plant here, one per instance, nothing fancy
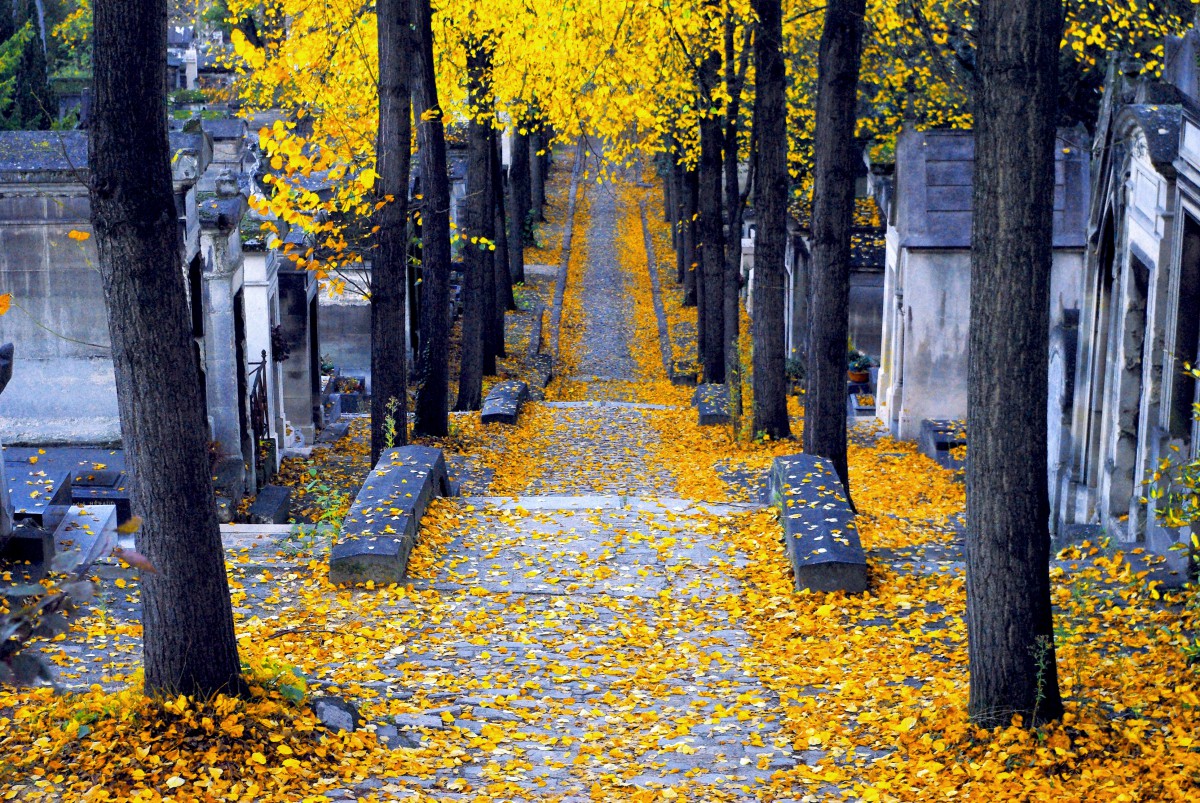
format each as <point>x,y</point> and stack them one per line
<point>328,502</point>
<point>327,364</point>
<point>794,369</point>
<point>1175,484</point>
<point>389,422</point>
<point>857,362</point>
<point>524,297</point>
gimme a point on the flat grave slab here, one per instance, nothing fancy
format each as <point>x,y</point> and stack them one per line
<point>944,441</point>
<point>712,403</point>
<point>503,402</point>
<point>38,495</point>
<point>98,475</point>
<point>819,533</point>
<point>379,532</point>
<point>273,505</point>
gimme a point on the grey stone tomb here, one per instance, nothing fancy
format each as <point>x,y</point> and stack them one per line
<point>380,531</point>
<point>819,533</point>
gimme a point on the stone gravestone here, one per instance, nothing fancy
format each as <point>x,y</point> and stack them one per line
<point>29,543</point>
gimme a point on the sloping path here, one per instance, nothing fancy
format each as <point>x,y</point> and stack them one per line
<point>599,625</point>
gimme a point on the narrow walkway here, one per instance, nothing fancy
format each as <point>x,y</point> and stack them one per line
<point>599,627</point>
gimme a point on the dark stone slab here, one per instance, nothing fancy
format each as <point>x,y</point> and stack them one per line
<point>333,407</point>
<point>503,402</point>
<point>98,476</point>
<point>334,432</point>
<point>712,403</point>
<point>684,373</point>
<point>39,496</point>
<point>273,505</point>
<point>819,533</point>
<point>28,543</point>
<point>939,438</point>
<point>380,530</point>
<point>351,402</point>
<point>543,368</point>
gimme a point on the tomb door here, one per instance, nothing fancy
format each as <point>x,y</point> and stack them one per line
<point>239,338</point>
<point>1186,341</point>
<point>1101,336</point>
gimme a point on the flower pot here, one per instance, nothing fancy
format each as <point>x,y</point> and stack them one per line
<point>858,376</point>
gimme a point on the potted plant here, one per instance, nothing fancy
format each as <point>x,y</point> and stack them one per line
<point>858,366</point>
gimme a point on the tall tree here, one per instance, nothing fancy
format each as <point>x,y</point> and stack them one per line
<point>433,366</point>
<point>710,228</point>
<point>478,277</point>
<point>691,267</point>
<point>503,262</point>
<point>735,79</point>
<point>771,193</point>
<point>832,217</point>
<point>538,143</point>
<point>188,641</point>
<point>521,192</point>
<point>1010,631</point>
<point>389,268</point>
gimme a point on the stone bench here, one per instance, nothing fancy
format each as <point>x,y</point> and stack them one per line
<point>380,530</point>
<point>819,534</point>
<point>939,439</point>
<point>503,402</point>
<point>712,403</point>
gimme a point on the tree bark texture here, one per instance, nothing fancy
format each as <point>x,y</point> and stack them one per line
<point>433,367</point>
<point>1009,620</point>
<point>519,178</point>
<point>770,414</point>
<point>478,279</point>
<point>735,74</point>
<point>503,261</point>
<point>691,195</point>
<point>537,176</point>
<point>712,251</point>
<point>832,217</point>
<point>188,638</point>
<point>389,266</point>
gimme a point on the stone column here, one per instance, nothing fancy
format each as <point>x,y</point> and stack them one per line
<point>221,245</point>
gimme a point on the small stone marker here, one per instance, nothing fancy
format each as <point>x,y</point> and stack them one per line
<point>503,402</point>
<point>273,505</point>
<point>940,438</point>
<point>380,530</point>
<point>819,534</point>
<point>712,403</point>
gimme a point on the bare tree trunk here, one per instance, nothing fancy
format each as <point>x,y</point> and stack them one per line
<point>503,261</point>
<point>537,175</point>
<point>479,281</point>
<point>1010,628</point>
<point>691,194</point>
<point>188,640</point>
<point>832,218</point>
<point>735,74</point>
<point>433,368</point>
<point>389,266</point>
<point>771,188</point>
<point>712,251</point>
<point>522,198</point>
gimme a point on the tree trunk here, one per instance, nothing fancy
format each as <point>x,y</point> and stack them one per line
<point>712,254</point>
<point>503,261</point>
<point>537,176</point>
<point>188,640</point>
<point>735,74</point>
<point>1010,632</point>
<point>433,368</point>
<point>771,180</point>
<point>479,292</point>
<point>691,194</point>
<point>832,216</point>
<point>389,266</point>
<point>519,179</point>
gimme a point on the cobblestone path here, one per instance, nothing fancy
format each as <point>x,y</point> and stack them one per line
<point>593,622</point>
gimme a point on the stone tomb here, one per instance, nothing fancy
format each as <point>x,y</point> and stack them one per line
<point>503,402</point>
<point>712,403</point>
<point>945,442</point>
<point>819,533</point>
<point>380,531</point>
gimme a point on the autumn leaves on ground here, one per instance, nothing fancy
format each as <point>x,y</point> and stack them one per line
<point>826,696</point>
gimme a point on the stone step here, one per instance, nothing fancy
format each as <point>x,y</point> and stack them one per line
<point>639,504</point>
